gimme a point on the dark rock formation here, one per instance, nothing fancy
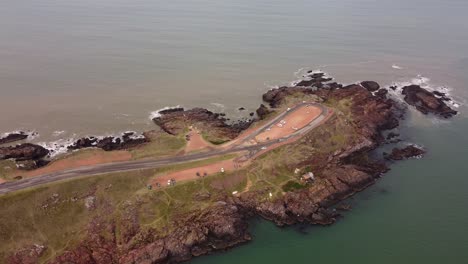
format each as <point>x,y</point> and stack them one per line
<point>128,140</point>
<point>370,85</point>
<point>12,137</point>
<point>381,93</point>
<point>437,93</point>
<point>175,122</point>
<point>241,109</point>
<point>25,151</point>
<point>426,102</point>
<point>404,153</point>
<point>392,135</point>
<point>263,111</point>
<point>275,96</point>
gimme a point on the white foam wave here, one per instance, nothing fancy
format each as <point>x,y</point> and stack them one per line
<point>396,67</point>
<point>58,133</point>
<point>30,133</point>
<point>157,113</point>
<point>218,105</point>
<point>57,147</point>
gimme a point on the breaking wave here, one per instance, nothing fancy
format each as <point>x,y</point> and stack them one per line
<point>157,113</point>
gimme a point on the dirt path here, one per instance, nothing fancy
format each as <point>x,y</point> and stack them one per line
<point>191,174</point>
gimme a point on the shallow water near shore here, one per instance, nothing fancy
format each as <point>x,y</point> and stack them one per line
<point>101,67</point>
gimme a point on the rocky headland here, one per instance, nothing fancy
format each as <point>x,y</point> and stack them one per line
<point>338,153</point>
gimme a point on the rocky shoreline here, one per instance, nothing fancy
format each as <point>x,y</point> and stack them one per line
<point>341,173</point>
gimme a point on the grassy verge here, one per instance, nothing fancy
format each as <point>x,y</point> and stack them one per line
<point>161,144</point>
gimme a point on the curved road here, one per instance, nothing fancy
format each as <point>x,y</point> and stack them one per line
<point>151,163</point>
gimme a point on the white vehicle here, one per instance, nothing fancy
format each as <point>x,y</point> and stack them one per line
<point>263,148</point>
<point>222,170</point>
<point>289,109</point>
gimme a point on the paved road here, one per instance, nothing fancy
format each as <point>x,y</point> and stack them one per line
<point>151,163</point>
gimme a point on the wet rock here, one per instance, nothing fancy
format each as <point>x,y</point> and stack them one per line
<point>241,109</point>
<point>437,93</point>
<point>127,141</point>
<point>392,135</point>
<point>344,207</point>
<point>12,137</point>
<point>404,153</point>
<point>426,102</point>
<point>263,111</point>
<point>381,93</point>
<point>25,151</point>
<point>371,86</point>
<point>251,114</point>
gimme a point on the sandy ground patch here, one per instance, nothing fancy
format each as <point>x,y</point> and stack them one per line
<point>191,174</point>
<point>295,120</point>
<point>196,141</point>
<point>2,180</point>
<point>80,160</point>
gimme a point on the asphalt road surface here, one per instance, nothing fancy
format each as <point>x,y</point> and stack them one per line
<point>152,163</point>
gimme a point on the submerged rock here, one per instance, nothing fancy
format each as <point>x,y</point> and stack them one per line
<point>426,102</point>
<point>404,153</point>
<point>12,137</point>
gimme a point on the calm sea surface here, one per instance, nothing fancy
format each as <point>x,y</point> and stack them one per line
<point>102,66</point>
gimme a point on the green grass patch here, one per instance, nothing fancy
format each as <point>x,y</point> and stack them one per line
<point>161,144</point>
<point>292,186</point>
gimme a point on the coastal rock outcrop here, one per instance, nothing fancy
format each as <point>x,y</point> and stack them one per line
<point>25,151</point>
<point>426,102</point>
<point>371,86</point>
<point>263,111</point>
<point>12,137</point>
<point>410,151</point>
<point>213,125</point>
<point>126,141</point>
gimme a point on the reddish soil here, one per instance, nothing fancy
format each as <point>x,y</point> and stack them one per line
<point>291,122</point>
<point>196,141</point>
<point>191,174</point>
<point>2,180</point>
<point>80,160</point>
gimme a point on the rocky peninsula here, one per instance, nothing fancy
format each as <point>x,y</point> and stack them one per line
<point>336,157</point>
